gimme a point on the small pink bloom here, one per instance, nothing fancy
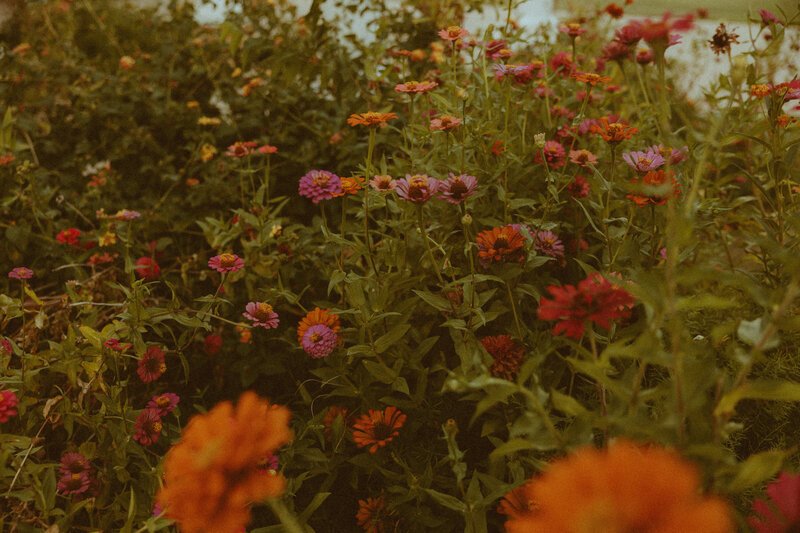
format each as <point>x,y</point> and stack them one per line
<point>417,188</point>
<point>644,162</point>
<point>261,314</point>
<point>224,263</point>
<point>383,182</point>
<point>320,185</point>
<point>444,122</point>
<point>319,341</point>
<point>165,403</point>
<point>267,149</point>
<point>73,483</point>
<point>115,345</point>
<point>453,33</point>
<point>21,273</point>
<point>768,18</point>
<point>583,158</point>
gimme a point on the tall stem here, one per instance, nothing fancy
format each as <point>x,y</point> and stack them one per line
<point>368,172</point>
<point>514,310</point>
<point>427,244</point>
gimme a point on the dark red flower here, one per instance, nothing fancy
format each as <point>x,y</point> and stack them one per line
<point>212,344</point>
<point>69,236</point>
<point>147,268</point>
<point>151,365</point>
<point>148,426</point>
<point>507,353</point>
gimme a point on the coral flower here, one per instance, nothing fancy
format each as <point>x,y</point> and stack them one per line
<point>74,463</point>
<point>224,263</point>
<point>267,149</point>
<point>375,517</point>
<point>573,29</point>
<point>583,158</point>
<point>320,185</point>
<point>759,91</point>
<point>417,188</point>
<point>370,118</point>
<point>456,189</point>
<point>21,273</point>
<point>350,185</point>
<point>69,236</point>
<point>625,487</point>
<point>221,452</point>
<point>658,182</point>
<point>415,87</point>
<point>595,299</point>
<point>383,182</point>
<point>8,405</point>
<point>444,122</point>
<point>501,245</point>
<point>452,33</point>
<point>378,428</point>
<point>548,243</point>
<point>165,403</point>
<point>261,314</point>
<point>613,132</point>
<point>151,366</point>
<point>781,513</point>
<point>318,316</point>
<point>73,483</point>
<point>591,78</point>
<point>240,149</point>
<point>319,341</point>
<point>148,426</point>
<point>147,268</point>
<point>614,11</point>
<point>644,161</point>
<point>507,353</point>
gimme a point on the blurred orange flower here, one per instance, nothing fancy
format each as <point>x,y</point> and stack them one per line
<point>613,132</point>
<point>370,118</point>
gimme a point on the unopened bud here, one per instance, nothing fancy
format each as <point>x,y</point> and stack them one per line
<point>538,139</point>
<point>466,219</point>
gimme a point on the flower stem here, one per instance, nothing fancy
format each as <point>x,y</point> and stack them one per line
<point>427,244</point>
<point>368,173</point>
<point>514,310</point>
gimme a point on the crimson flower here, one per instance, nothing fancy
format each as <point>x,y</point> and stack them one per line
<point>69,236</point>
<point>151,366</point>
<point>148,426</point>
<point>507,353</point>
<point>8,405</point>
<point>781,513</point>
<point>147,268</point>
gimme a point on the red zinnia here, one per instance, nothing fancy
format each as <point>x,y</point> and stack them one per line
<point>69,236</point>
<point>378,428</point>
<point>781,513</point>
<point>373,515</point>
<point>212,344</point>
<point>151,365</point>
<point>507,354</point>
<point>147,268</point>
<point>148,426</point>
<point>659,183</point>
<point>8,405</point>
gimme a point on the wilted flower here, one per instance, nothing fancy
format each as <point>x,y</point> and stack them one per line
<point>507,353</point>
<point>722,40</point>
<point>456,189</point>
<point>320,185</point>
<point>261,314</point>
<point>224,263</point>
<point>378,428</point>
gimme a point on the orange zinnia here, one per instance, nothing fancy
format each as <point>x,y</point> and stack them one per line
<point>501,245</point>
<point>658,182</point>
<point>370,118</point>
<point>613,132</point>
<point>378,428</point>
<point>625,487</point>
<point>591,78</point>
<point>350,185</point>
<point>212,474</point>
<point>318,316</point>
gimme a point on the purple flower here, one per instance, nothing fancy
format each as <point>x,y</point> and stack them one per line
<point>73,483</point>
<point>675,156</point>
<point>165,403</point>
<point>320,185</point>
<point>125,214</point>
<point>74,463</point>
<point>226,263</point>
<point>417,188</point>
<point>319,341</point>
<point>261,314</point>
<point>456,189</point>
<point>644,161</point>
<point>547,243</point>
<point>21,273</point>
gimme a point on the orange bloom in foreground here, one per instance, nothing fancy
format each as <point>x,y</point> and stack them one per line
<point>613,132</point>
<point>212,474</point>
<point>370,118</point>
<point>378,428</point>
<point>350,185</point>
<point>625,487</point>
<point>318,316</point>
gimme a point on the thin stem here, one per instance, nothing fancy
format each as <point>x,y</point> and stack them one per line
<point>514,310</point>
<point>368,172</point>
<point>427,244</point>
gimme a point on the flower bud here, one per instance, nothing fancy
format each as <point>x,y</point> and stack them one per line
<point>538,139</point>
<point>466,220</point>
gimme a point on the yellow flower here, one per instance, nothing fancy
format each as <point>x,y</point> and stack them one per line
<point>276,230</point>
<point>207,153</point>
<point>107,239</point>
<point>194,104</point>
<point>236,72</point>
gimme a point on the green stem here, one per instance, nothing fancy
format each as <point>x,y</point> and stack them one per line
<point>427,244</point>
<point>288,520</point>
<point>514,310</point>
<point>367,188</point>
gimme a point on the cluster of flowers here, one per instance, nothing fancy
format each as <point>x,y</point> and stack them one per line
<point>148,424</point>
<point>375,429</point>
<point>76,475</point>
<point>506,244</point>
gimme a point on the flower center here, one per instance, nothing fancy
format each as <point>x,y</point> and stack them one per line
<point>315,337</point>
<point>227,260</point>
<point>320,180</point>
<point>162,401</point>
<point>458,188</point>
<point>154,427</point>
<point>262,312</point>
<point>75,482</point>
<point>381,431</point>
<point>453,31</point>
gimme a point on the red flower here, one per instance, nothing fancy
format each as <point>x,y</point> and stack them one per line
<point>69,236</point>
<point>8,405</point>
<point>498,148</point>
<point>212,344</point>
<point>147,268</point>
<point>334,412</point>
<point>507,353</point>
<point>781,514</point>
<point>374,516</point>
<point>614,11</point>
<point>378,428</point>
<point>595,299</point>
<point>148,426</point>
<point>151,365</point>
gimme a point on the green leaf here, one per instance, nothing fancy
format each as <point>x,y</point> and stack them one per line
<point>379,372</point>
<point>92,336</point>
<point>433,300</point>
<point>395,334</point>
<point>757,468</point>
<point>512,446</point>
<point>786,391</point>
<point>451,502</point>
<point>567,404</point>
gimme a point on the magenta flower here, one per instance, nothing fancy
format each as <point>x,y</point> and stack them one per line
<point>73,483</point>
<point>8,405</point>
<point>494,48</point>
<point>319,341</point>
<point>383,182</point>
<point>320,185</point>
<point>261,314</point>
<point>768,18</point>
<point>579,187</point>
<point>644,162</point>
<point>115,345</point>
<point>554,153</point>
<point>456,189</point>
<point>226,263</point>
<point>630,34</point>
<point>675,155</point>
<point>74,463</point>
<point>148,426</point>
<point>125,214</point>
<point>547,243</point>
<point>21,273</point>
<point>5,347</point>
<point>270,463</point>
<point>781,514</point>
<point>417,188</point>
<point>165,403</point>
<point>151,366</point>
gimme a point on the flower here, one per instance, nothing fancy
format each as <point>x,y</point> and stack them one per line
<point>614,11</point>
<point>212,344</point>
<point>261,314</point>
<point>240,149</point>
<point>334,412</point>
<point>74,463</point>
<point>590,78</point>
<point>760,91</point>
<point>579,187</point>
<point>497,147</point>
<point>147,268</point>
<point>644,56</point>
<point>151,366</point>
<point>69,236</point>
<point>21,273</point>
<point>415,87</point>
<point>657,33</point>
<point>548,243</point>
<point>148,426</point>
<point>220,451</point>
<point>444,122</point>
<point>500,245</point>
<point>318,316</point>
<point>209,121</point>
<point>8,405</point>
<point>6,348</point>
<point>595,299</point>
<point>452,33</point>
<point>165,403</point>
<point>115,345</point>
<point>779,514</point>
<point>375,517</point>
<point>625,487</point>
<point>6,159</point>
<point>98,259</point>
<point>583,158</point>
<point>107,239</point>
<point>370,118</point>
<point>320,185</point>
<point>126,214</point>
<point>554,153</point>
<point>267,149</point>
<point>456,189</point>
<point>73,483</point>
<point>378,428</point>
<point>494,49</point>
<point>573,29</point>
<point>722,40</point>
<point>768,18</point>
<point>655,182</point>
<point>644,161</point>
<point>127,62</point>
<point>350,185</point>
<point>675,156</point>
<point>245,335</point>
<point>417,188</point>
<point>614,132</point>
<point>383,182</point>
<point>226,263</point>
<point>207,153</point>
<point>507,354</point>
<point>616,51</point>
<point>319,341</point>
<point>630,34</point>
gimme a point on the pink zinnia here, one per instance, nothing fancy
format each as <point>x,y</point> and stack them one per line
<point>240,149</point>
<point>583,158</point>
<point>554,153</point>
<point>453,33</point>
<point>675,155</point>
<point>268,149</point>
<point>493,49</point>
<point>147,268</point>
<point>383,182</point>
<point>616,51</point>
<point>444,122</point>
<point>226,263</point>
<point>148,426</point>
<point>768,18</point>
<point>579,187</point>
<point>456,189</point>
<point>417,188</point>
<point>165,403</point>
<point>548,243</point>
<point>630,34</point>
<point>781,513</point>
<point>74,463</point>
<point>261,314</point>
<point>8,405</point>
<point>126,214</point>
<point>21,273</point>
<point>643,162</point>
<point>320,185</point>
<point>319,341</point>
<point>73,483</point>
<point>151,366</point>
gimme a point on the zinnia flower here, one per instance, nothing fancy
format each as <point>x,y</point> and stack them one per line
<point>6,348</point>
<point>573,29</point>
<point>212,344</point>
<point>165,403</point>
<point>643,161</point>
<point>148,426</point>
<point>21,273</point>
<point>722,40</point>
<point>69,236</point>
<point>768,18</point>
<point>261,314</point>
<point>658,182</point>
<point>74,463</point>
<point>318,316</point>
<point>370,118</point>
<point>625,487</point>
<point>8,405</point>
<point>220,452</point>
<point>493,49</point>
<point>456,189</point>
<point>374,516</point>
<point>590,78</point>
<point>595,299</point>
<point>583,158</point>
<point>115,345</point>
<point>501,245</point>
<point>240,149</point>
<point>452,33</point>
<point>334,412</point>
<point>614,11</point>
<point>554,153</point>
<point>616,51</point>
<point>548,243</point>
<point>73,483</point>
<point>417,188</point>
<point>415,87</point>
<point>675,155</point>
<point>147,268</point>
<point>614,132</point>
<point>507,353</point>
<point>781,513</point>
<point>320,185</point>
<point>383,182</point>
<point>267,149</point>
<point>126,214</point>
<point>224,263</point>
<point>444,122</point>
<point>630,34</point>
<point>151,366</point>
<point>350,185</point>
<point>378,428</point>
<point>319,341</point>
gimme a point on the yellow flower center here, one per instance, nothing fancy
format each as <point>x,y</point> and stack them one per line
<point>227,260</point>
